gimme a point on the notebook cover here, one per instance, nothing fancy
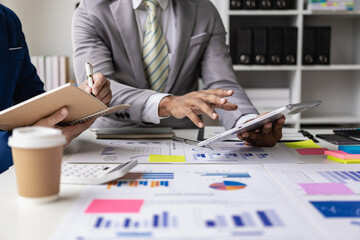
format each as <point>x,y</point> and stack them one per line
<point>79,103</point>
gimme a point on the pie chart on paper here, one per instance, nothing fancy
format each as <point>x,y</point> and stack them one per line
<point>228,185</point>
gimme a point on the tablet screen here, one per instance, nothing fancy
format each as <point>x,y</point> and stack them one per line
<point>257,123</point>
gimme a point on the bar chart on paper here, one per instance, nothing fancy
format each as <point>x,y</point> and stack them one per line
<point>143,180</point>
<point>319,179</point>
<point>128,226</point>
<point>157,221</point>
<point>341,176</point>
<point>229,156</point>
<point>226,175</point>
<point>230,152</point>
<point>149,175</point>
<point>262,218</point>
<point>137,184</point>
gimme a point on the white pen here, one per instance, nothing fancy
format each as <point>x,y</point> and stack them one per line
<point>89,74</point>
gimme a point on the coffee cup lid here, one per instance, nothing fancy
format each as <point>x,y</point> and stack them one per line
<point>36,137</point>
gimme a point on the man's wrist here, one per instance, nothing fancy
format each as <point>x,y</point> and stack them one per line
<point>164,106</point>
<point>150,113</point>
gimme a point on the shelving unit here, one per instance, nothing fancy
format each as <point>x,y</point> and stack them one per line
<point>337,84</point>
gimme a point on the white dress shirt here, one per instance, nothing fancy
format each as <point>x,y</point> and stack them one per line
<point>167,20</point>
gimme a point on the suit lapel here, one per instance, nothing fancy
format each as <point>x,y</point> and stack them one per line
<point>185,17</point>
<point>124,16</point>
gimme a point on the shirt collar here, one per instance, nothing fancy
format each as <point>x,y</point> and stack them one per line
<point>162,3</point>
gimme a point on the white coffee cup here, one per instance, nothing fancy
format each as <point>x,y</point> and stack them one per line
<point>37,154</point>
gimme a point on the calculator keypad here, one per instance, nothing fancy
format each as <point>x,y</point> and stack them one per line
<point>85,170</point>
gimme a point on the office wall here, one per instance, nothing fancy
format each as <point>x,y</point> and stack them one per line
<point>46,24</point>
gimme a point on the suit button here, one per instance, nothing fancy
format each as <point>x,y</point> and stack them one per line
<point>127,115</point>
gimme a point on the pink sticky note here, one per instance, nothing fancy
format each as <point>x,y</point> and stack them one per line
<point>326,189</point>
<point>342,155</point>
<point>115,206</point>
<point>312,151</point>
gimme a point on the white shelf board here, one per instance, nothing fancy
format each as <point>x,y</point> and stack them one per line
<point>331,120</point>
<point>331,13</point>
<point>263,12</point>
<point>333,67</point>
<point>265,68</point>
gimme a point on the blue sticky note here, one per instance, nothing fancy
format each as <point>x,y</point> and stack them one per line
<point>338,209</point>
<point>351,149</point>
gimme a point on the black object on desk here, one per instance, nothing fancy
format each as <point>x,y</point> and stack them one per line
<point>338,139</point>
<point>308,135</point>
<point>349,132</point>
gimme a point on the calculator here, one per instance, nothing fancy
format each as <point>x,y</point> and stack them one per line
<point>79,173</point>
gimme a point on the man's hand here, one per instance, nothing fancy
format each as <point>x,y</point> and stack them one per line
<point>192,104</point>
<point>70,132</point>
<point>101,88</point>
<point>265,137</point>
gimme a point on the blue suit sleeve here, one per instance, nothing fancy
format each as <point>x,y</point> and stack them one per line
<point>29,83</point>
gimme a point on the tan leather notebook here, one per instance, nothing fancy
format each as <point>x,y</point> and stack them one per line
<point>81,105</point>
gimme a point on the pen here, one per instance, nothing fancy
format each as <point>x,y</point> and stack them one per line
<point>188,141</point>
<point>89,74</point>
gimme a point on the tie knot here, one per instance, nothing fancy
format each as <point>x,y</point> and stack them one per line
<point>152,4</point>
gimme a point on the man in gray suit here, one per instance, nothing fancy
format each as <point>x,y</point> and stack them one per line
<point>153,52</point>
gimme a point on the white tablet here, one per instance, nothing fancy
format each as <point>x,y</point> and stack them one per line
<point>257,123</point>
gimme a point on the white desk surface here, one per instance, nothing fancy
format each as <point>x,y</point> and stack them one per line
<point>36,222</point>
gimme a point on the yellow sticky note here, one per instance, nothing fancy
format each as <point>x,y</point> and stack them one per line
<point>166,158</point>
<point>349,161</point>
<point>302,144</point>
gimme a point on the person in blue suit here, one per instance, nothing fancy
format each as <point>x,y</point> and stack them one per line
<point>19,82</point>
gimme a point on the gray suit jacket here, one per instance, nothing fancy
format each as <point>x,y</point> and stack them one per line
<point>105,33</point>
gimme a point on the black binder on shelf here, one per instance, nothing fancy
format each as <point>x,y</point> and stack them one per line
<point>290,45</point>
<point>275,45</point>
<point>244,47</point>
<point>260,42</point>
<point>236,4</point>
<point>250,4</point>
<point>309,46</point>
<point>265,4</point>
<point>281,4</point>
<point>234,46</point>
<point>323,40</point>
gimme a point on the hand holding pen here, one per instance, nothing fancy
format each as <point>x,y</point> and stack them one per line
<point>97,85</point>
<point>89,74</point>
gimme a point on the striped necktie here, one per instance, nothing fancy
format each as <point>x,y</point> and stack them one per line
<point>155,50</point>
